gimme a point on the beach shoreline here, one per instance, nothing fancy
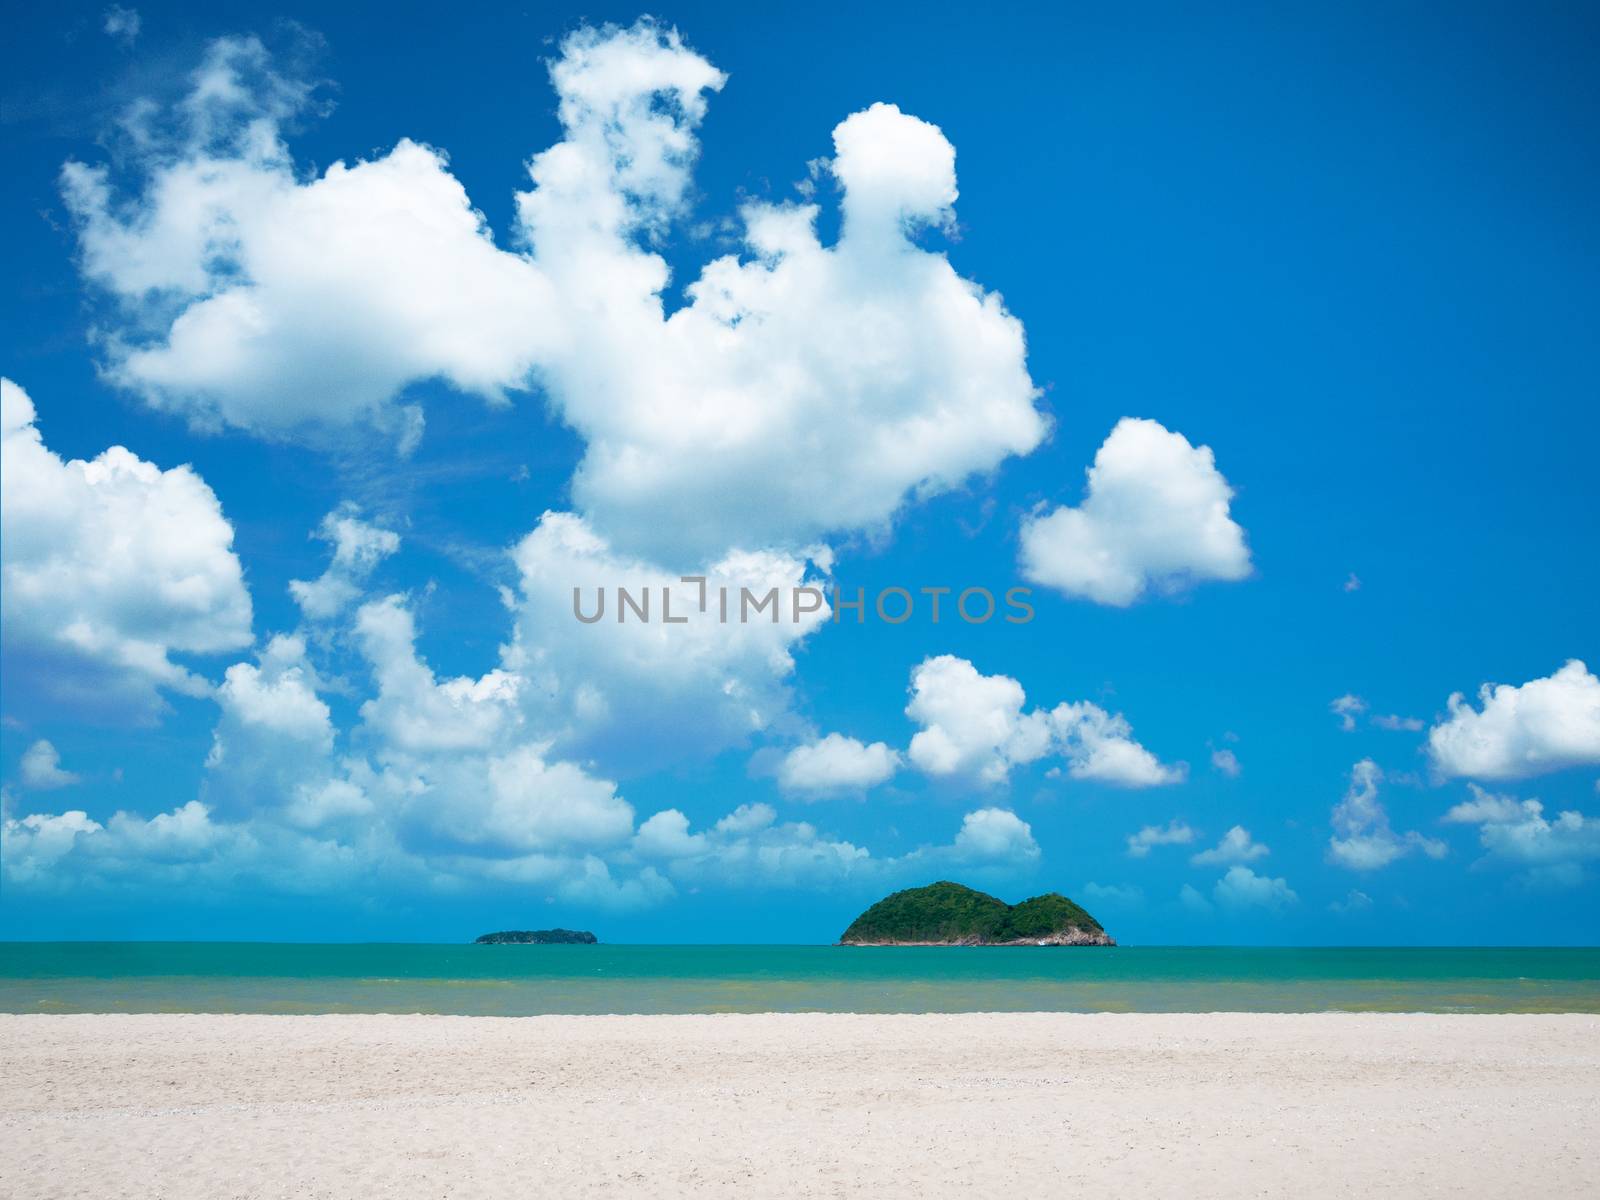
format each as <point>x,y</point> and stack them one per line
<point>799,1104</point>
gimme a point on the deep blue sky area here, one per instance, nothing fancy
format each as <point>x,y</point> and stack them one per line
<point>1352,248</point>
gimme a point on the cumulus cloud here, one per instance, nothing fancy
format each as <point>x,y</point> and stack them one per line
<point>665,837</point>
<point>1517,831</point>
<point>1519,731</point>
<point>32,845</point>
<point>41,767</point>
<point>834,381</point>
<point>1173,833</point>
<point>1363,839</point>
<point>278,695</point>
<point>540,805</point>
<point>183,849</point>
<point>1236,846</point>
<point>837,381</point>
<point>273,740</point>
<point>750,845</point>
<point>358,547</point>
<point>1156,518</point>
<point>413,710</point>
<point>438,784</point>
<point>632,692</point>
<point>279,304</point>
<point>1242,888</point>
<point>1487,808</point>
<point>446,765</point>
<point>975,726</point>
<point>110,567</point>
<point>836,763</point>
<point>995,835</point>
<point>1099,745</point>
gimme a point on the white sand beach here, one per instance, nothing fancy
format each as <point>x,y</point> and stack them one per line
<point>990,1105</point>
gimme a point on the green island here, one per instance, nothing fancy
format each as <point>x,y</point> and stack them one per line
<point>948,914</point>
<point>537,937</point>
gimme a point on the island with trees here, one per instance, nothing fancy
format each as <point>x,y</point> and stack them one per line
<point>538,937</point>
<point>948,914</point>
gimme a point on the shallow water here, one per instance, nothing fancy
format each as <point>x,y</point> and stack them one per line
<point>524,980</point>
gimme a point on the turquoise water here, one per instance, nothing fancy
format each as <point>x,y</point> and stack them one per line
<point>524,980</point>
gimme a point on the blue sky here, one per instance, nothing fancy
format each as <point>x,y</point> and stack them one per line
<point>1352,253</point>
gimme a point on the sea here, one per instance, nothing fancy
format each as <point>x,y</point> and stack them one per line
<point>254,977</point>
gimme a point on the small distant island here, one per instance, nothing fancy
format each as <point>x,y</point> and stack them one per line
<point>948,914</point>
<point>537,937</point>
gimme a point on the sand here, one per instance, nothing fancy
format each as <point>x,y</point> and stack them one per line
<point>979,1105</point>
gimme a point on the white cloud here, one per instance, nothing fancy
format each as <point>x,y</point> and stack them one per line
<point>974,726</point>
<point>183,849</point>
<point>634,692</point>
<point>279,695</point>
<point>1517,831</point>
<point>1174,833</point>
<point>412,710</point>
<point>1243,888</point>
<point>1363,839</point>
<point>1354,902</point>
<point>1155,518</point>
<point>358,547</point>
<point>273,741</point>
<point>1544,725</point>
<point>1487,808</point>
<point>836,763</point>
<point>539,805</point>
<point>121,24</point>
<point>666,836</point>
<point>41,767</point>
<point>749,845</point>
<point>1347,708</point>
<point>282,304</point>
<point>442,785</point>
<point>595,885</point>
<point>1099,746</point>
<point>1394,723</point>
<point>1191,898</point>
<point>1227,762</point>
<point>182,835</point>
<point>1350,708</point>
<point>837,382</point>
<point>110,567</point>
<point>1236,846</point>
<point>34,844</point>
<point>995,835</point>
